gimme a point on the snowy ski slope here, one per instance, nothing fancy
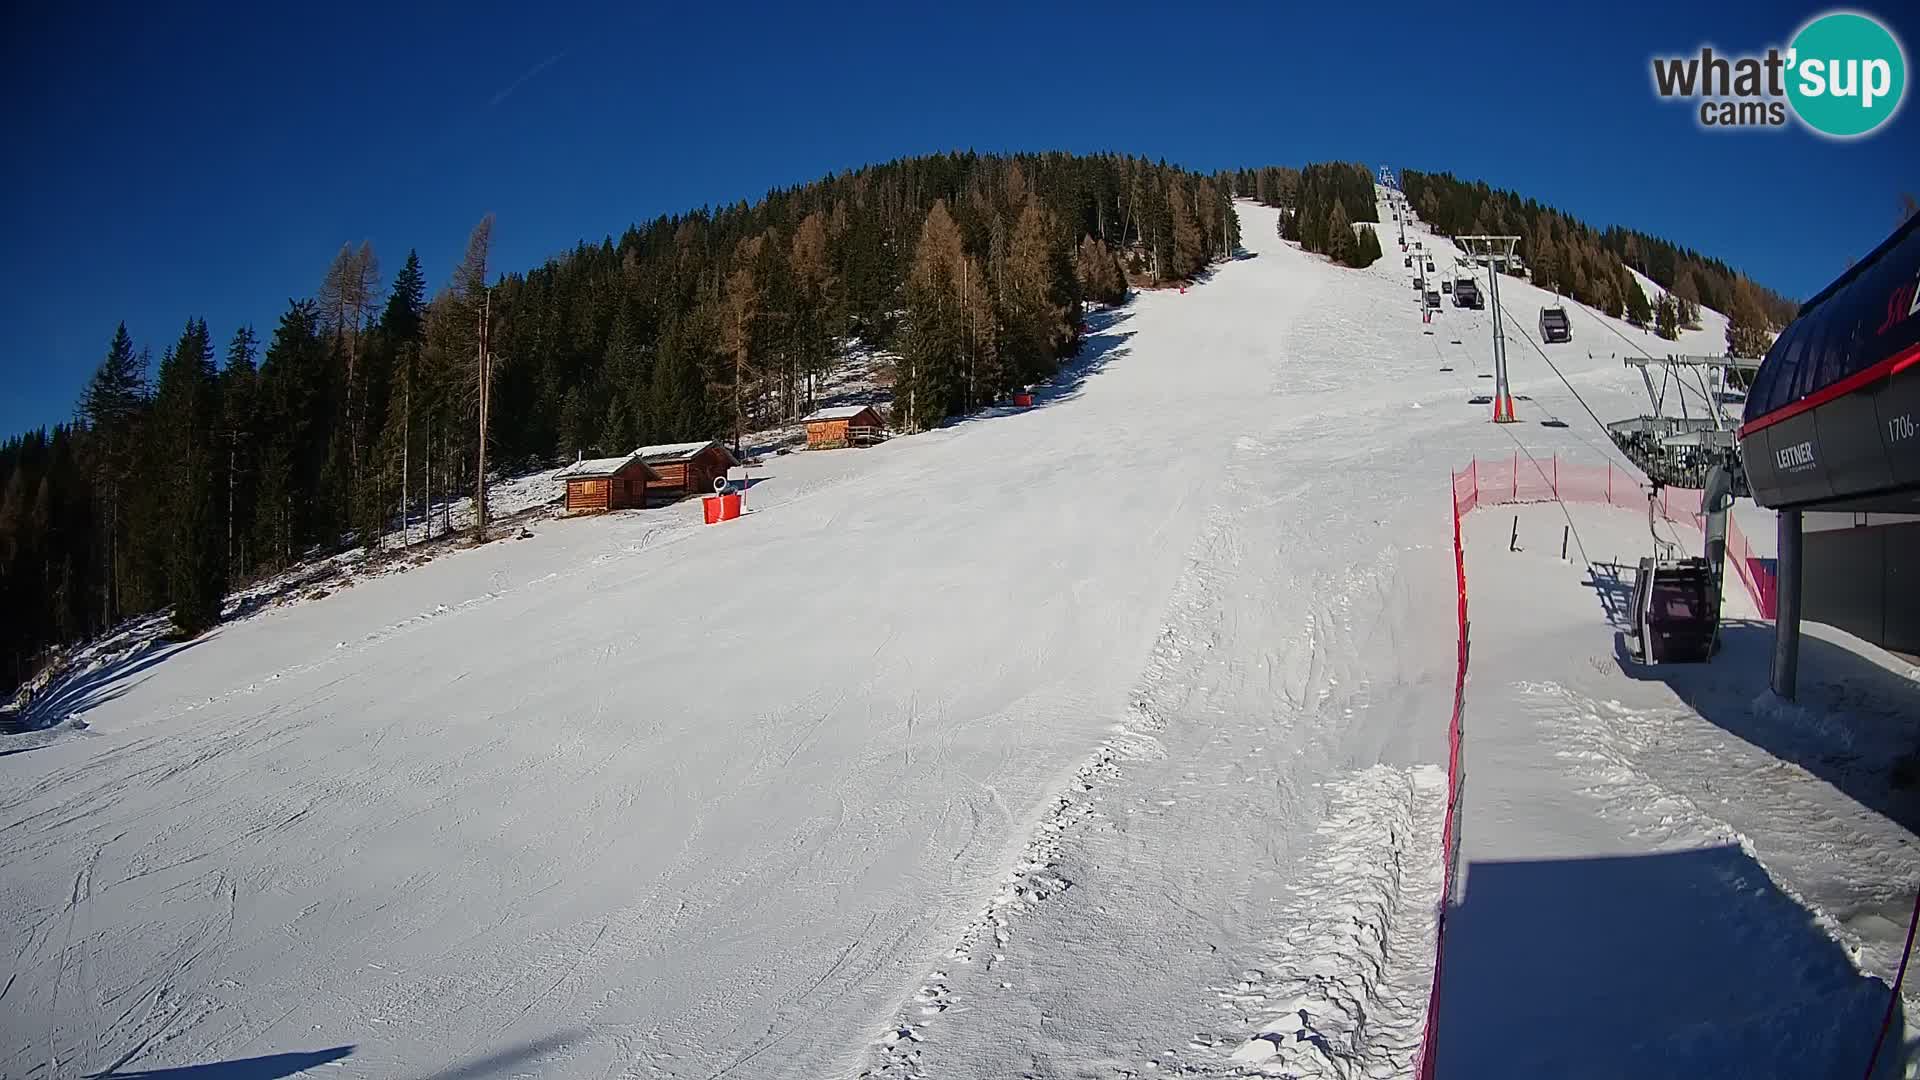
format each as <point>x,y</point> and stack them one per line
<point>1090,740</point>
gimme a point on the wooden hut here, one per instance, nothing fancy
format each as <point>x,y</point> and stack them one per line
<point>606,483</point>
<point>846,425</point>
<point>685,468</point>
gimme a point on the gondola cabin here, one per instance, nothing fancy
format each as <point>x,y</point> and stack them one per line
<point>1554,325</point>
<point>599,484</point>
<point>846,425</point>
<point>1675,616</point>
<point>685,468</point>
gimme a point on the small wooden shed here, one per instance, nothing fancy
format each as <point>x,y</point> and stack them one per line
<point>685,468</point>
<point>845,425</point>
<point>606,483</point>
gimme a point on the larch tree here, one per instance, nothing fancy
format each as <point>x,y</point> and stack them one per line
<point>1686,295</point>
<point>346,302</point>
<point>950,326</point>
<point>1039,303</point>
<point>740,334</point>
<point>814,286</point>
<point>1099,272</point>
<point>1748,334</point>
<point>461,323</point>
<point>1189,246</point>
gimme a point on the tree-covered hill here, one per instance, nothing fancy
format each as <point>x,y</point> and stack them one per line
<point>176,480</point>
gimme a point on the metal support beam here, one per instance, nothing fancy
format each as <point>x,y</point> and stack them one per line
<point>1786,623</point>
<point>1499,251</point>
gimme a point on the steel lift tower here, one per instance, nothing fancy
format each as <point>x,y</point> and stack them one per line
<point>1499,252</point>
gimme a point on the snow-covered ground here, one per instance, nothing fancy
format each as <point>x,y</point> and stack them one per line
<point>1095,739</point>
<point>1666,872</point>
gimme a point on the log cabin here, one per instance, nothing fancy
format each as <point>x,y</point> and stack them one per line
<point>685,468</point>
<point>846,425</point>
<point>599,484</point>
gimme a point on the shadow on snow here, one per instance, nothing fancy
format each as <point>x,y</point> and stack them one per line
<point>84,690</point>
<point>270,1067</point>
<point>1853,723</point>
<point>1677,964</point>
<point>1104,343</point>
<point>275,1066</point>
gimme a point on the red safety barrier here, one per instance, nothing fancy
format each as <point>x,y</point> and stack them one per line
<point>1527,480</point>
<point>1466,495</point>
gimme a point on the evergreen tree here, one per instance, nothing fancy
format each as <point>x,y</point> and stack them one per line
<point>111,407</point>
<point>239,427</point>
<point>1341,246</point>
<point>627,378</point>
<point>1639,311</point>
<point>1367,249</point>
<point>293,443</point>
<point>1666,317</point>
<point>186,409</point>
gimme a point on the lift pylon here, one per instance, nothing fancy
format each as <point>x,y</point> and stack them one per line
<point>1499,251</point>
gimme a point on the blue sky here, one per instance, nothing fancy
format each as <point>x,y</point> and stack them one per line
<point>166,163</point>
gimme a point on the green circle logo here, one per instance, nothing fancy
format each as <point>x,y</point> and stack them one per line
<point>1846,74</point>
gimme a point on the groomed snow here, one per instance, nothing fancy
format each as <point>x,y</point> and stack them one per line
<point>1125,761</point>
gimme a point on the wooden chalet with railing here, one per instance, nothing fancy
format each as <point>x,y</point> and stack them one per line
<point>846,425</point>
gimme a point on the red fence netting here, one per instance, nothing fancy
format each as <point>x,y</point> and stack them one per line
<point>1526,480</point>
<point>1466,495</point>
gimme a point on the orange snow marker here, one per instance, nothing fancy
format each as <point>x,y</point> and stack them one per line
<point>1503,410</point>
